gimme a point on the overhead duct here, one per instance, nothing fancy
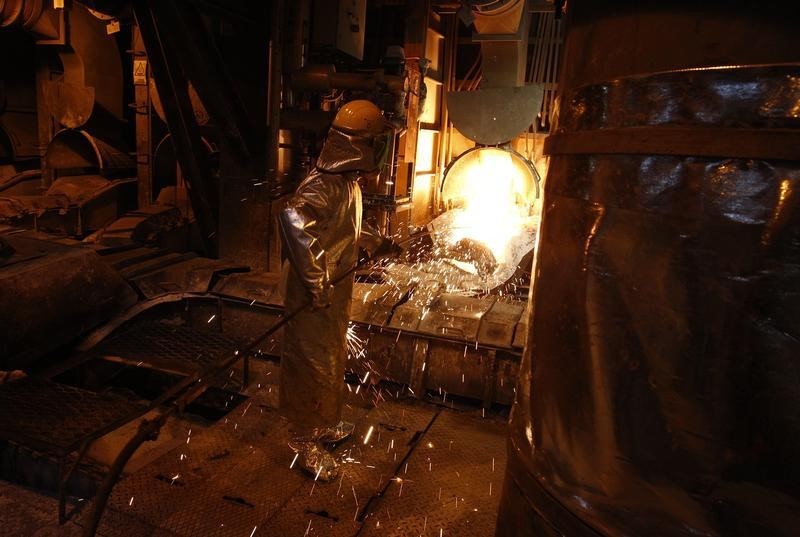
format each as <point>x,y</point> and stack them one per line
<point>504,106</point>
<point>92,74</point>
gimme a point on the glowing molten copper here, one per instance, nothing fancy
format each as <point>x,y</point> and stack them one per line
<point>490,196</point>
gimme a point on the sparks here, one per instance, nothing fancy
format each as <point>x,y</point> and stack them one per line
<point>254,531</point>
<point>294,460</point>
<point>212,318</point>
<point>369,433</point>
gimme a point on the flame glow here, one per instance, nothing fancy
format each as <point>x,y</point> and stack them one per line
<point>493,195</point>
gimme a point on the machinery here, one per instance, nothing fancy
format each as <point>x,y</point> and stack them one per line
<point>145,148</point>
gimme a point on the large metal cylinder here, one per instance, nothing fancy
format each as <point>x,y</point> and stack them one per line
<point>658,392</point>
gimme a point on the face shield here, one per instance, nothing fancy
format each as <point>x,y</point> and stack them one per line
<point>381,147</point>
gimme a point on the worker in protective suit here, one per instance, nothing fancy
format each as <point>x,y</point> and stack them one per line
<point>320,228</point>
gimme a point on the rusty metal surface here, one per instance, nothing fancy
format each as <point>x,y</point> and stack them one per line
<point>64,293</point>
<point>452,482</point>
<point>55,417</point>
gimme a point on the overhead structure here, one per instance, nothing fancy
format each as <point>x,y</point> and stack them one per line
<point>504,106</point>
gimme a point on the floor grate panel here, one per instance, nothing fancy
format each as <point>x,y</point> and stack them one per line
<point>53,417</point>
<point>453,483</point>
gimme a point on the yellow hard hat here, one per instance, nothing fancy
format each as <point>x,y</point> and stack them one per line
<point>361,118</point>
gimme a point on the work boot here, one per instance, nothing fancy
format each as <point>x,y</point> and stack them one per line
<point>314,461</point>
<point>330,436</point>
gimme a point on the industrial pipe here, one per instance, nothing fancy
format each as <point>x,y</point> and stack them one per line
<point>322,78</point>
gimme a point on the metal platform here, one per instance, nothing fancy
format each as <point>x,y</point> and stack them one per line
<point>178,349</point>
<point>233,478</point>
<point>61,421</point>
<point>56,418</point>
<point>452,482</point>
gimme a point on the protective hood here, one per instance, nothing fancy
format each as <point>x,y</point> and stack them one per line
<point>344,152</point>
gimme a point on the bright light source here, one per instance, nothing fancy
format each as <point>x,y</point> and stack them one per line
<point>492,193</point>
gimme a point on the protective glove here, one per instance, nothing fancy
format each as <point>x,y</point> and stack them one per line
<point>322,299</point>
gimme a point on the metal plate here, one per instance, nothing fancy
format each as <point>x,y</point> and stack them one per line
<point>182,491</point>
<point>372,303</point>
<point>521,332</point>
<point>62,295</point>
<point>406,316</point>
<point>452,484</point>
<point>459,369</point>
<point>492,116</point>
<point>335,509</point>
<point>456,316</point>
<point>497,326</point>
<point>54,417</point>
<point>263,287</point>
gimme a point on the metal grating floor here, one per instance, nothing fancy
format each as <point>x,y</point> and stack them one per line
<point>167,347</point>
<point>54,417</point>
<point>452,484</point>
<point>424,468</point>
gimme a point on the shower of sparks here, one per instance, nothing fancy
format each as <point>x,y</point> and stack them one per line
<point>318,472</point>
<point>294,460</point>
<point>356,346</point>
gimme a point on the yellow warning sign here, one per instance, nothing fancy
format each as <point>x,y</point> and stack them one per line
<point>140,72</point>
